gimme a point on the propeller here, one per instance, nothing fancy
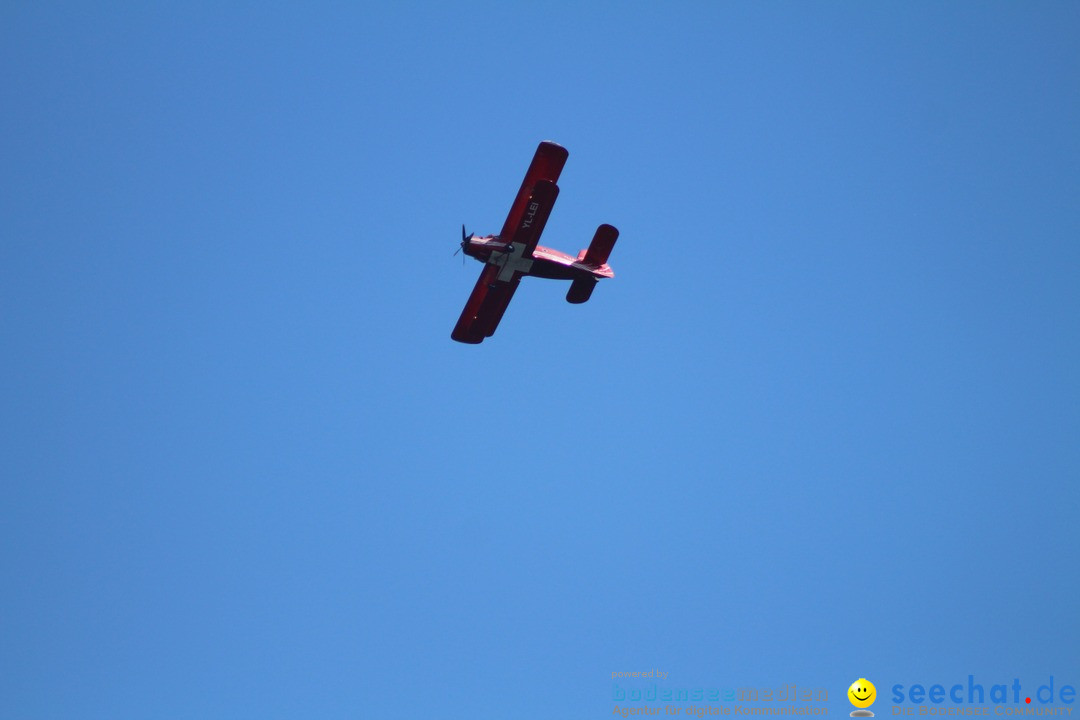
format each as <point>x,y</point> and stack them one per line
<point>464,241</point>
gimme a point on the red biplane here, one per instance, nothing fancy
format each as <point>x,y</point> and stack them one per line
<point>514,252</point>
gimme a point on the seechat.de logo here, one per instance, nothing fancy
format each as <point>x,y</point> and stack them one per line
<point>862,694</point>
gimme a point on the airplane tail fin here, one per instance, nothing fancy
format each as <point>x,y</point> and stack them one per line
<point>600,247</point>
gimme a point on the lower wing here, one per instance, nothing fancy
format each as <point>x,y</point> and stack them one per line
<point>537,210</point>
<point>485,307</point>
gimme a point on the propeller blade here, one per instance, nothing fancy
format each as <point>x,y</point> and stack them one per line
<point>461,247</point>
<point>465,238</point>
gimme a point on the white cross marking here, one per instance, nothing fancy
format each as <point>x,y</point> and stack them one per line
<point>511,262</point>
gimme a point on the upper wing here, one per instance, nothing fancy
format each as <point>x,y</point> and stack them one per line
<point>547,164</point>
<point>485,306</point>
<point>528,215</point>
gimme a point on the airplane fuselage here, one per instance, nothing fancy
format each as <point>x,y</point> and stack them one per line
<point>544,263</point>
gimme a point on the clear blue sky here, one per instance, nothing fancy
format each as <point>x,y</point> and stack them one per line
<point>824,424</point>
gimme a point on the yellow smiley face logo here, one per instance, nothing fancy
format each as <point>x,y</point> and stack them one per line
<point>862,693</point>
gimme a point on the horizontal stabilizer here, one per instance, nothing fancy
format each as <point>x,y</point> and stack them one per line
<point>600,247</point>
<point>580,290</point>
